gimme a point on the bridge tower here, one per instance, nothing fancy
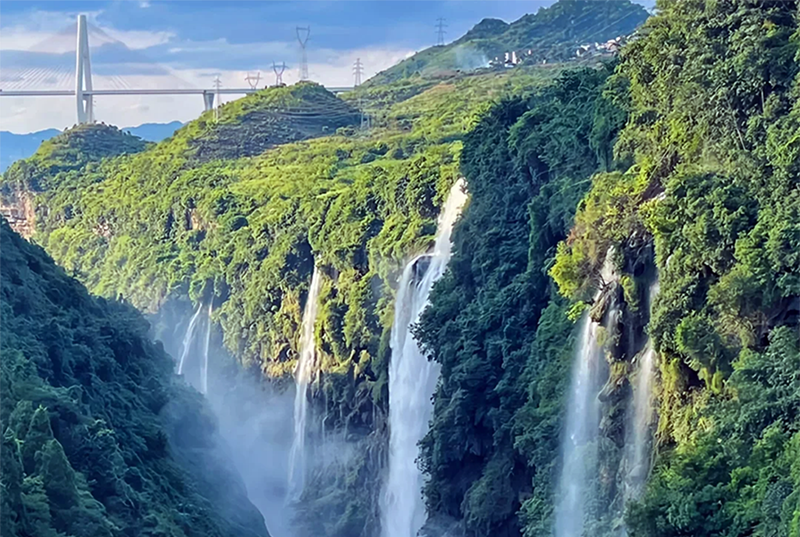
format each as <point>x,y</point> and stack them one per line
<point>83,74</point>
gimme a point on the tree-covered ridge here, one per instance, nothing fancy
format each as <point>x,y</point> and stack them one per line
<point>98,439</point>
<point>499,332</point>
<point>552,34</point>
<point>713,132</point>
<point>163,225</point>
<point>267,118</point>
<point>68,152</point>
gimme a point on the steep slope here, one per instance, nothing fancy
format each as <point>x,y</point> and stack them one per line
<point>171,228</point>
<point>552,34</point>
<point>98,439</point>
<point>713,133</point>
<point>499,333</point>
<point>68,160</point>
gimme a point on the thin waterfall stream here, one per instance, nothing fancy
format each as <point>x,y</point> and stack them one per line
<point>302,376</point>
<point>187,339</point>
<point>204,367</point>
<point>641,413</point>
<point>412,380</point>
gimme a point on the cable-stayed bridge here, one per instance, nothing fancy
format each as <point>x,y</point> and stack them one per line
<point>71,75</point>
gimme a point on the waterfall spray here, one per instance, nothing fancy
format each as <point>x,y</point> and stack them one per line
<point>637,443</point>
<point>302,376</point>
<point>204,369</point>
<point>412,380</point>
<point>187,339</point>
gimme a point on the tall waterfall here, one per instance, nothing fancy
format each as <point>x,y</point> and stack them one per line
<point>639,437</point>
<point>204,367</point>
<point>583,421</point>
<point>412,380</point>
<point>187,339</point>
<point>302,376</point>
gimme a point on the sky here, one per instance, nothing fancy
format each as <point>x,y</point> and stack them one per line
<point>154,44</point>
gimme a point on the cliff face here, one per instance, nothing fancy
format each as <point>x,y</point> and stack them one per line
<point>18,209</point>
<point>99,438</point>
<point>713,186</point>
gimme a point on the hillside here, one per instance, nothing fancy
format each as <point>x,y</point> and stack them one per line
<point>86,451</point>
<point>552,34</point>
<point>615,341</point>
<point>169,228</point>
<point>14,147</point>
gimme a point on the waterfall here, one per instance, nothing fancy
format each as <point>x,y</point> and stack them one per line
<point>302,376</point>
<point>187,339</point>
<point>204,368</point>
<point>412,380</point>
<point>583,421</point>
<point>638,440</point>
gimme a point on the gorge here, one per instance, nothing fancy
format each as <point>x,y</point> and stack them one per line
<point>600,338</point>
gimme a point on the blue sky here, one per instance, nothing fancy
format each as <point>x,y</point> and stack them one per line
<point>335,24</point>
<point>190,43</point>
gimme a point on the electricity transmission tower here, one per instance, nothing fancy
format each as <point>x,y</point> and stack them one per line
<point>440,31</point>
<point>358,70</point>
<point>279,69</point>
<point>253,80</point>
<point>217,86</point>
<point>303,40</point>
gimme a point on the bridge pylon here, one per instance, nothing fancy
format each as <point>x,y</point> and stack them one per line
<point>83,74</point>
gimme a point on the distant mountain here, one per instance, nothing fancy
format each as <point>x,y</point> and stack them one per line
<point>14,147</point>
<point>552,34</point>
<point>18,146</point>
<point>154,132</point>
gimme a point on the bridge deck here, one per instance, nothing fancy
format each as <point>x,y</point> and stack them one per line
<point>71,93</point>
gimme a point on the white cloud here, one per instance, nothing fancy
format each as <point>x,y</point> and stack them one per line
<point>54,32</point>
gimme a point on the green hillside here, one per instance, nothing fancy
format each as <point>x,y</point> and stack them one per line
<point>552,34</point>
<point>168,226</point>
<point>98,437</point>
<point>640,211</point>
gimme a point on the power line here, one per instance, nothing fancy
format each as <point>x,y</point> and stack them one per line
<point>303,58</point>
<point>358,70</point>
<point>440,31</point>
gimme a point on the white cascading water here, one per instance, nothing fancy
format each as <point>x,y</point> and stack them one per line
<point>187,339</point>
<point>641,416</point>
<point>412,380</point>
<point>583,421</point>
<point>204,367</point>
<point>302,376</point>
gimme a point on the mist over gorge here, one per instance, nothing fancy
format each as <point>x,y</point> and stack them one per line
<point>550,297</point>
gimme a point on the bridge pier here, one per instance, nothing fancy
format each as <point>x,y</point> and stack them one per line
<point>208,100</point>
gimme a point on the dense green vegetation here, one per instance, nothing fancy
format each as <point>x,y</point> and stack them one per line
<point>167,224</point>
<point>552,34</point>
<point>496,327</point>
<point>681,158</point>
<point>713,132</point>
<point>98,438</point>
